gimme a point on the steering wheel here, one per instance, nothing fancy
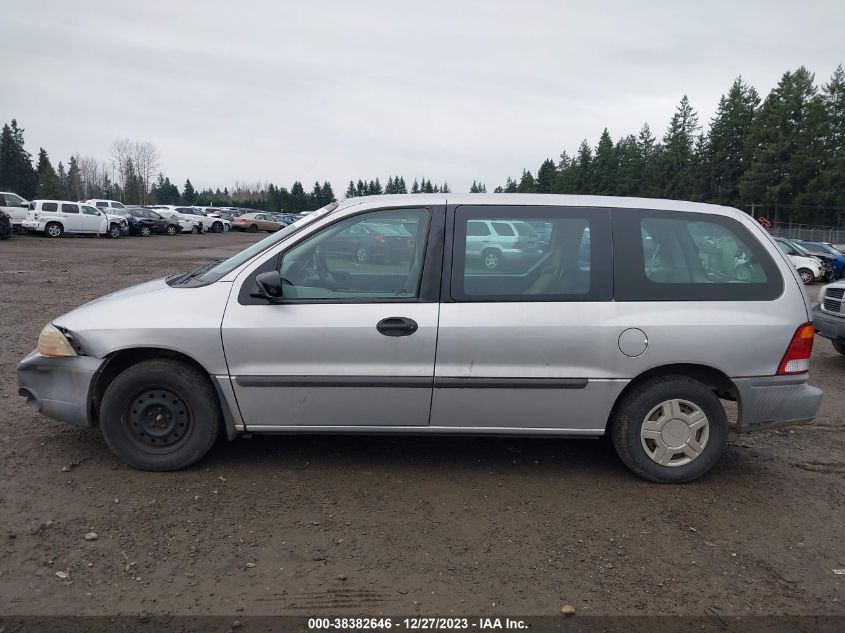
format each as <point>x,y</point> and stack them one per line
<point>322,270</point>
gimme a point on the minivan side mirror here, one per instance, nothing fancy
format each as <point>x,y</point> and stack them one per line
<point>269,286</point>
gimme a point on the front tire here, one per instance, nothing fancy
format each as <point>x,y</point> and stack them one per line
<point>806,275</point>
<point>171,229</point>
<point>160,414</point>
<point>217,227</point>
<point>114,231</point>
<point>669,429</point>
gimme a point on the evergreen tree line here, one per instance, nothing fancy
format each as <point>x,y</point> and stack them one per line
<point>783,157</point>
<point>394,185</point>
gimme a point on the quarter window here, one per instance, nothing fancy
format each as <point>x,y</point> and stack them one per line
<point>673,256</point>
<point>49,206</point>
<point>376,255</point>
<point>533,254</point>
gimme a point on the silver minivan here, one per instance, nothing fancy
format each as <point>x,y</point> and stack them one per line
<point>637,319</point>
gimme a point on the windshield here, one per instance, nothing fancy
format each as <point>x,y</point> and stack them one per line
<point>228,265</point>
<point>803,251</point>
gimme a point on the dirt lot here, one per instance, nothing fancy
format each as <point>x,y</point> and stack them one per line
<point>299,525</point>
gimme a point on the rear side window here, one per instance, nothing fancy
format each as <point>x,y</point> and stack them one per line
<point>477,229</point>
<point>49,206</point>
<point>570,261</point>
<point>69,208</point>
<point>674,256</point>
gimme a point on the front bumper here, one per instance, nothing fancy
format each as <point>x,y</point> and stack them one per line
<point>773,401</point>
<point>60,388</point>
<point>828,325</point>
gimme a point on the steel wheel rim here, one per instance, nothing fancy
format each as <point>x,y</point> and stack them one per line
<point>491,260</point>
<point>362,254</point>
<point>674,433</point>
<point>158,420</point>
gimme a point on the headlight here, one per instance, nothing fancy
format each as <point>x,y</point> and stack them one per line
<point>51,342</point>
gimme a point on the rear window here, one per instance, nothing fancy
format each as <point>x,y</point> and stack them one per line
<point>674,256</point>
<point>49,206</point>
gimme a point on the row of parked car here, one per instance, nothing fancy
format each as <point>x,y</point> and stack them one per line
<point>55,218</point>
<point>815,261</point>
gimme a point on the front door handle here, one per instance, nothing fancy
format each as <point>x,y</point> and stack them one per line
<point>397,326</point>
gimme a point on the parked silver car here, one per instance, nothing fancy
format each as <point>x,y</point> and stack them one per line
<point>621,326</point>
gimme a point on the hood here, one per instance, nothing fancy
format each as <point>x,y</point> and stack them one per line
<point>147,286</point>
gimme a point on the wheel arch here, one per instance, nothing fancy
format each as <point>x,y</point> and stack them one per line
<point>122,359</point>
<point>714,379</point>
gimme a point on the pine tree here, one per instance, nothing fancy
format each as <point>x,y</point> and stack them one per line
<point>47,183</point>
<point>350,190</point>
<point>400,185</point>
<point>828,187</point>
<point>726,158</point>
<point>16,172</point>
<point>604,167</point>
<point>415,188</point>
<point>62,182</point>
<point>74,179</point>
<point>629,167</point>
<point>582,179</point>
<point>546,177</point>
<point>676,161</point>
<point>360,188</point>
<point>782,143</point>
<point>527,184</point>
<point>377,190</point>
<point>648,150</point>
<point>473,188</point>
<point>428,188</point>
<point>328,193</point>
<point>445,188</point>
<point>188,193</point>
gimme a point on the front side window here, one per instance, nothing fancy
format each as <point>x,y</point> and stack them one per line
<point>13,200</point>
<point>676,256</point>
<point>117,205</point>
<point>376,255</point>
<point>89,210</point>
<point>568,261</point>
<point>69,208</point>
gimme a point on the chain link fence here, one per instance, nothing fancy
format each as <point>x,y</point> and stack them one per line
<point>829,234</point>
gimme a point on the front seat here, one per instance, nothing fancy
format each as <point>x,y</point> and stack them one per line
<point>562,274</point>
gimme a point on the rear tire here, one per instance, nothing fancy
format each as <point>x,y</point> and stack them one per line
<point>160,414</point>
<point>491,259</point>
<point>253,228</point>
<point>217,227</point>
<point>53,229</point>
<point>171,229</point>
<point>839,347</point>
<point>649,423</point>
<point>145,231</point>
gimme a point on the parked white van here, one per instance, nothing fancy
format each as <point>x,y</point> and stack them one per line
<point>14,206</point>
<point>54,218</point>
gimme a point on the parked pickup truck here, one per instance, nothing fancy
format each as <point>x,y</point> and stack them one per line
<point>829,314</point>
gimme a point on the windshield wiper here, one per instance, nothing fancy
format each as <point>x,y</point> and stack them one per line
<point>197,271</point>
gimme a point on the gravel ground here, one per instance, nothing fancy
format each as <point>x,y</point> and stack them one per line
<point>317,525</point>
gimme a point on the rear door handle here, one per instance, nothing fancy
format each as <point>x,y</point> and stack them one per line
<point>397,326</point>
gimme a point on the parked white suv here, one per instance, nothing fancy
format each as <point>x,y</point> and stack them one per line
<point>57,217</point>
<point>14,206</point>
<point>503,242</point>
<point>105,204</point>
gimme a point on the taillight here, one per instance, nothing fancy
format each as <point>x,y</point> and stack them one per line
<point>797,357</point>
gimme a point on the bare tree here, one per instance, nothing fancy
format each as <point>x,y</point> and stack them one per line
<point>91,175</point>
<point>146,159</point>
<point>119,152</point>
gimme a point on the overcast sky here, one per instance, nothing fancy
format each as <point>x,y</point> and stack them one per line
<point>282,91</point>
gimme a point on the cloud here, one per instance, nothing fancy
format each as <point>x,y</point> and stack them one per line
<point>451,91</point>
